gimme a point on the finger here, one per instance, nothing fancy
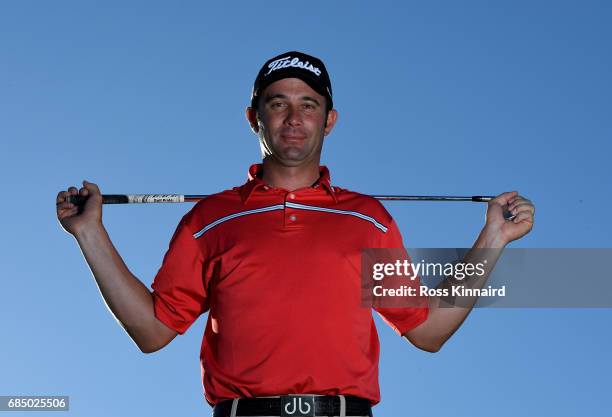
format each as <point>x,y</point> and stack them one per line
<point>522,207</point>
<point>513,202</point>
<point>516,198</point>
<point>93,188</point>
<point>516,201</point>
<point>84,192</point>
<point>61,196</point>
<point>73,191</point>
<point>67,213</point>
<point>523,216</point>
<point>64,205</point>
<point>503,198</point>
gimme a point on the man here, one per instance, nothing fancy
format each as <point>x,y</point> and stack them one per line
<point>276,263</point>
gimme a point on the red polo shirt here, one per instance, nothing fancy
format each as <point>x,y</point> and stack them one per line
<point>279,273</point>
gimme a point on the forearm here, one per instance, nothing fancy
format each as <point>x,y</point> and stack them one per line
<point>452,312</point>
<point>446,314</point>
<point>128,299</point>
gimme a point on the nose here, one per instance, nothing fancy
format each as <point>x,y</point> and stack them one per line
<point>294,117</point>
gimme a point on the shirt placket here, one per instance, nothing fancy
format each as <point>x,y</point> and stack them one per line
<point>291,215</point>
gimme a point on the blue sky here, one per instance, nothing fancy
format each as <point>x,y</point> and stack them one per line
<point>439,97</point>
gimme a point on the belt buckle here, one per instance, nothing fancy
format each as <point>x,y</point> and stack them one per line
<point>297,405</point>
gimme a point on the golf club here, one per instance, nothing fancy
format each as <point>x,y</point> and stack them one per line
<point>79,200</point>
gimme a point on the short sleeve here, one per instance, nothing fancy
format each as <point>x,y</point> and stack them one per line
<point>179,291</point>
<point>402,319</point>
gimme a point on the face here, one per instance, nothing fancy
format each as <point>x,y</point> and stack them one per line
<point>290,122</point>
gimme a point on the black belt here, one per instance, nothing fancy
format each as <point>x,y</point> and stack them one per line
<point>294,406</point>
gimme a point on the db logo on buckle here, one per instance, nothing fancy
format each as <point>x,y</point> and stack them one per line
<point>297,405</point>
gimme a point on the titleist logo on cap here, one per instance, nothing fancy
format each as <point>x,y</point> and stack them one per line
<point>295,62</point>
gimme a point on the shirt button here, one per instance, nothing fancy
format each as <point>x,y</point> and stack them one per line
<point>293,217</point>
<point>292,196</point>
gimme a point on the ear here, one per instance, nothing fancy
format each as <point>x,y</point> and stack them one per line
<point>332,117</point>
<point>251,115</point>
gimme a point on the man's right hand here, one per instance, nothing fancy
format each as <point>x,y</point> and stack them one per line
<point>75,219</point>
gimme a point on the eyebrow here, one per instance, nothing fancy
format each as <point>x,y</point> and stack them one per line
<point>284,97</point>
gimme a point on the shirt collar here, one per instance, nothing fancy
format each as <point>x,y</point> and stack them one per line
<point>256,172</point>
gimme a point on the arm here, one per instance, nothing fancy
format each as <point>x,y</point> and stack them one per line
<point>128,299</point>
<point>443,321</point>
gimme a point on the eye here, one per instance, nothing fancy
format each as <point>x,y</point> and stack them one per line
<point>309,106</point>
<point>277,105</point>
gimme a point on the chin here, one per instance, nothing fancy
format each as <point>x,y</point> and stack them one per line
<point>291,162</point>
<point>293,154</point>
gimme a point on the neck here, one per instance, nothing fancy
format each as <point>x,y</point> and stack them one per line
<point>287,177</point>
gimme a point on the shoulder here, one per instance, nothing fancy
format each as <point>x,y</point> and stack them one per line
<point>363,203</point>
<point>211,208</point>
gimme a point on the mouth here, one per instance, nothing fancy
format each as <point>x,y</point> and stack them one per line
<point>293,138</point>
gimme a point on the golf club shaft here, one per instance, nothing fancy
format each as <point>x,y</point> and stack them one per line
<point>180,198</point>
<point>193,198</point>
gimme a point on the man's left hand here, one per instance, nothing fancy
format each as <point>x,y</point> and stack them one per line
<point>509,230</point>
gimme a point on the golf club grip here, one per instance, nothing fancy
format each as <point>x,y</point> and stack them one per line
<point>79,200</point>
<point>486,199</point>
